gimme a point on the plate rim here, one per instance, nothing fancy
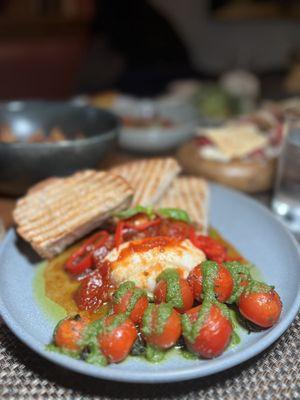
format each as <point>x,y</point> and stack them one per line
<point>161,376</point>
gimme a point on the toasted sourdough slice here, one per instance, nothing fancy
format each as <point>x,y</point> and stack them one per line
<point>149,178</point>
<point>192,195</point>
<point>58,211</point>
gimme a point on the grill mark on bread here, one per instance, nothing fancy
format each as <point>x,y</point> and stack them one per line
<point>57,212</point>
<point>149,178</point>
<point>190,194</point>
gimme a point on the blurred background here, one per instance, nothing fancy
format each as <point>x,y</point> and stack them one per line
<point>59,48</point>
<point>161,76</point>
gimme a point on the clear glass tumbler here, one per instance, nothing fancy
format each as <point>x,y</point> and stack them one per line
<point>286,200</point>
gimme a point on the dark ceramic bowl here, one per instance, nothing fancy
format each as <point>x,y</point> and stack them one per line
<point>23,164</point>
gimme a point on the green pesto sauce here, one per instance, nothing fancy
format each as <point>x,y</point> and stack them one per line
<point>163,314</point>
<point>65,352</point>
<point>239,273</point>
<point>258,287</point>
<point>122,290</point>
<point>164,310</point>
<point>154,355</point>
<point>147,320</point>
<point>172,279</point>
<point>191,329</point>
<point>125,287</point>
<point>209,273</point>
<point>187,354</point>
<point>90,342</point>
<point>50,308</point>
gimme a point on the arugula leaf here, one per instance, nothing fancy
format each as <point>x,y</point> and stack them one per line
<point>136,210</point>
<point>174,213</point>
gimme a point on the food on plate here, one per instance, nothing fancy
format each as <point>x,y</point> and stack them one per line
<point>151,279</point>
<point>69,332</point>
<point>223,284</point>
<point>260,304</point>
<point>241,154</point>
<point>132,300</point>
<point>161,326</point>
<point>207,330</point>
<point>236,141</point>
<point>149,178</point>
<point>173,289</point>
<point>56,134</point>
<point>116,337</point>
<point>157,283</point>
<point>62,210</point>
<point>190,194</point>
<point>142,260</point>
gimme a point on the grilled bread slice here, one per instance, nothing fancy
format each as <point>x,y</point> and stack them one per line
<point>149,178</point>
<point>58,211</point>
<point>192,195</point>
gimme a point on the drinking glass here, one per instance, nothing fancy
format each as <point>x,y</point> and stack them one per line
<point>286,200</point>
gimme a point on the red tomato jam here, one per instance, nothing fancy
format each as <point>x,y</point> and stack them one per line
<point>95,290</point>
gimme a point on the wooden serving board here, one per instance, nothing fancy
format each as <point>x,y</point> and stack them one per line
<point>250,176</point>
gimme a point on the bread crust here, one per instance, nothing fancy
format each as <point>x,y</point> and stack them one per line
<point>58,211</point>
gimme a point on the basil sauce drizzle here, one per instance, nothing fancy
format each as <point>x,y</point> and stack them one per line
<point>89,341</point>
<point>209,273</point>
<point>70,353</point>
<point>172,279</point>
<point>164,310</point>
<point>239,273</point>
<point>153,354</point>
<point>125,287</point>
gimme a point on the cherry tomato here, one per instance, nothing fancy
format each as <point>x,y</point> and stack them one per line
<point>82,258</point>
<point>172,228</point>
<point>141,225</point>
<point>119,233</point>
<point>116,344</point>
<point>69,332</point>
<point>94,290</point>
<point>160,294</point>
<point>263,309</point>
<point>162,336</point>
<point>213,250</point>
<point>139,308</point>
<point>213,336</point>
<point>223,283</point>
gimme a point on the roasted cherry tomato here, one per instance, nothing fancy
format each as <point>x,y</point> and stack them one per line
<point>132,300</point>
<point>173,228</point>
<point>140,224</point>
<point>82,258</point>
<point>213,336</point>
<point>213,250</point>
<point>119,233</point>
<point>161,326</point>
<point>117,342</point>
<point>94,290</point>
<point>261,308</point>
<point>69,331</point>
<point>223,283</point>
<point>160,294</point>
